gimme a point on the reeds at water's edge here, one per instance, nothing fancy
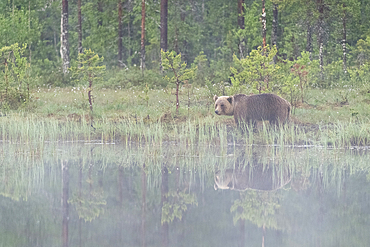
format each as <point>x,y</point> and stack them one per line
<point>25,129</point>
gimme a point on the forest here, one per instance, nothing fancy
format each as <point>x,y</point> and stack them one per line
<point>288,47</point>
<point>108,124</point>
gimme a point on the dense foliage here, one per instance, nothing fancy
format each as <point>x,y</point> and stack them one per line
<point>207,34</point>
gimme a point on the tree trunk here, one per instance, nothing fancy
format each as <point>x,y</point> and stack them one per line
<point>295,48</point>
<point>65,205</point>
<point>120,185</point>
<point>344,41</point>
<point>309,28</point>
<point>177,96</point>
<point>176,45</point>
<point>263,26</point>
<point>29,29</point>
<point>143,206</point>
<point>203,9</point>
<point>80,204</point>
<point>142,52</point>
<point>309,39</point>
<point>320,36</point>
<point>55,43</point>
<point>100,9</point>
<point>164,15</point>
<point>274,33</point>
<point>241,26</point>
<point>241,14</point>
<point>263,234</point>
<point>120,34</point>
<point>129,10</point>
<point>164,192</point>
<point>90,96</point>
<point>64,46</point>
<point>79,29</point>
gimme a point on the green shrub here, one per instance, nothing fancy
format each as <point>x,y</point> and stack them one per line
<point>335,76</point>
<point>178,71</point>
<point>89,72</point>
<point>15,77</point>
<point>257,71</point>
<point>360,76</point>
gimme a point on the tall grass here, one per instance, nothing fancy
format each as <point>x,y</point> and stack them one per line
<point>20,128</point>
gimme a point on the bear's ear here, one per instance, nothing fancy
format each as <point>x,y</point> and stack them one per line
<point>215,98</point>
<point>230,185</point>
<point>230,99</point>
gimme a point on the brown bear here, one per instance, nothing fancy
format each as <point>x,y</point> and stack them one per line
<point>259,177</point>
<point>251,108</point>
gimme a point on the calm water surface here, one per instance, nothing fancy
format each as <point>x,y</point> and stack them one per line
<point>88,194</point>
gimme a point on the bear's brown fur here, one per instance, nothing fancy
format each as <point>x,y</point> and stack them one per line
<point>251,108</point>
<point>259,177</point>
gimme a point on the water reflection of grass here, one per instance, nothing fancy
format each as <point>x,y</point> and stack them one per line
<point>23,165</point>
<point>22,171</point>
<point>197,148</point>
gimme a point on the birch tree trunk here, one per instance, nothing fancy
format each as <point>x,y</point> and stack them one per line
<point>344,41</point>
<point>263,26</point>
<point>64,45</point>
<point>265,79</point>
<point>274,33</point>
<point>142,50</point>
<point>79,29</point>
<point>120,34</point>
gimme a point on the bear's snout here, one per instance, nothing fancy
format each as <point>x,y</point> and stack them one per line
<point>216,111</point>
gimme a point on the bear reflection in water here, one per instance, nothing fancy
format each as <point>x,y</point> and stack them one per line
<point>257,177</point>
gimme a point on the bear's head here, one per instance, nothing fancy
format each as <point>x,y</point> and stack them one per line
<point>224,105</point>
<point>224,180</point>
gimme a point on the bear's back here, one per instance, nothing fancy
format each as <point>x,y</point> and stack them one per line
<point>261,107</point>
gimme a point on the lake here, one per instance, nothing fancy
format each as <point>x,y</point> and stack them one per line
<point>173,194</point>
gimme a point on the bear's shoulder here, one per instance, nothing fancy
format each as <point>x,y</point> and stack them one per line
<point>238,97</point>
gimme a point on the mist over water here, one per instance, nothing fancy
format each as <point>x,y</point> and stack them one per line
<point>89,194</point>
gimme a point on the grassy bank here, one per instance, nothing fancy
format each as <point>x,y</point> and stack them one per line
<point>335,118</point>
<point>320,106</point>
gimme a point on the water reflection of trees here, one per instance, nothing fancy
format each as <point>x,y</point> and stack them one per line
<point>258,184</point>
<point>176,204</point>
<point>65,204</point>
<point>129,181</point>
<point>89,200</point>
<point>175,200</point>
